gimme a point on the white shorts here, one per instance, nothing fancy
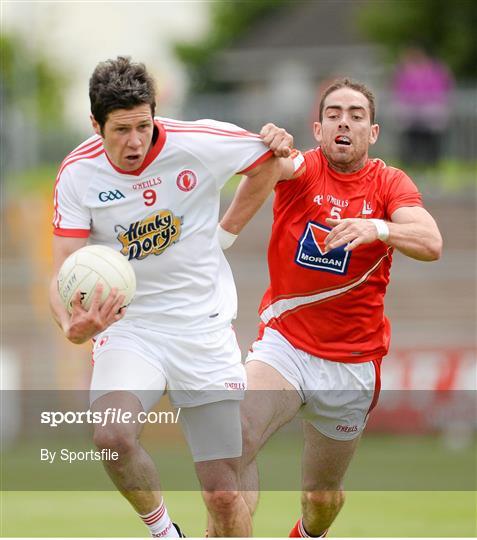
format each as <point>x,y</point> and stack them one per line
<point>202,374</point>
<point>194,368</point>
<point>337,397</point>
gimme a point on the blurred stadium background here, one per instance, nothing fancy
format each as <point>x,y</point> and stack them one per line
<point>250,63</point>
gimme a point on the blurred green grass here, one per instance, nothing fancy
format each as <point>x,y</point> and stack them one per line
<point>382,463</point>
<point>410,463</point>
<point>365,514</point>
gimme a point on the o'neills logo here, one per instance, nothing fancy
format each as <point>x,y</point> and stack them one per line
<point>234,385</point>
<point>153,234</point>
<point>147,183</point>
<point>186,180</point>
<point>347,429</point>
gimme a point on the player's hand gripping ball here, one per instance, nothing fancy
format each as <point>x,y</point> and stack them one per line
<point>94,264</point>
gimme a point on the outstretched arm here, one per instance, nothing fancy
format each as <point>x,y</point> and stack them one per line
<point>254,188</point>
<point>252,192</point>
<point>412,230</point>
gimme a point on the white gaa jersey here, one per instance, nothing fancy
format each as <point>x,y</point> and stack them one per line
<point>163,218</point>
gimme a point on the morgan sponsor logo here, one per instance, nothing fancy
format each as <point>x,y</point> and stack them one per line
<point>311,255</point>
<point>186,180</point>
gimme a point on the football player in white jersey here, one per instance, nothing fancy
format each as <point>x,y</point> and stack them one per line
<point>149,188</point>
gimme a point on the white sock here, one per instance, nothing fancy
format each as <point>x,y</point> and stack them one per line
<point>159,523</point>
<point>304,534</point>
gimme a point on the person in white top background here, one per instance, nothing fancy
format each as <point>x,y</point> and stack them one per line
<point>149,188</point>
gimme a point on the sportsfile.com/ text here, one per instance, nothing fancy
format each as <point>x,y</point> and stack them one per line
<point>109,416</point>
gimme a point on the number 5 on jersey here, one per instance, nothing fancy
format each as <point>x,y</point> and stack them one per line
<point>149,197</point>
<point>335,211</point>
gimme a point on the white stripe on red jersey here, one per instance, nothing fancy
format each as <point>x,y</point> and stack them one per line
<point>330,304</point>
<point>281,307</point>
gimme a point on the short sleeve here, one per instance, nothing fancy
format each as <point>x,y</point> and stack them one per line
<point>71,217</point>
<point>401,192</point>
<point>306,166</point>
<point>226,149</point>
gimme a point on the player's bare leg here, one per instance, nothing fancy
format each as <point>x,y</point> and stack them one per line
<point>325,462</point>
<point>270,402</point>
<point>133,473</point>
<point>228,512</point>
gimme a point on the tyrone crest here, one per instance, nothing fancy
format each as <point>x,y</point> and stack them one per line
<point>186,180</point>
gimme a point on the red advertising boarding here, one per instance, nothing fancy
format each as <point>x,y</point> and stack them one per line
<point>425,389</point>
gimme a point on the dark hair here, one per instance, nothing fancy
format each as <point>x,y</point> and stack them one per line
<point>348,83</point>
<point>119,84</point>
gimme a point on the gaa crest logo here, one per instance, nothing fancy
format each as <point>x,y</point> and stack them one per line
<point>105,196</point>
<point>186,180</point>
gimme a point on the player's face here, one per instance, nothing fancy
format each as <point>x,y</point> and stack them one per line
<point>346,132</point>
<point>127,136</point>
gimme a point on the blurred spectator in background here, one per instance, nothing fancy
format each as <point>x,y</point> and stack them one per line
<point>422,89</point>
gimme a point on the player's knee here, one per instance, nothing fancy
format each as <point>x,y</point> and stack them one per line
<point>221,502</point>
<point>323,499</point>
<point>121,441</point>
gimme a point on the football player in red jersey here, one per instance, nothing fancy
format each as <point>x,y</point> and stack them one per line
<point>323,331</point>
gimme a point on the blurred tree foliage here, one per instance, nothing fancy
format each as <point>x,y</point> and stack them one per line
<point>446,29</point>
<point>229,20</point>
<point>30,83</point>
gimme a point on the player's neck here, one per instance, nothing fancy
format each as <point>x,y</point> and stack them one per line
<point>348,168</point>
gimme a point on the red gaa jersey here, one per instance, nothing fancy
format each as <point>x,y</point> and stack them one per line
<point>331,305</point>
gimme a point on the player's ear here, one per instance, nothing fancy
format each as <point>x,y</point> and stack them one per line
<point>373,135</point>
<point>317,131</point>
<point>95,124</point>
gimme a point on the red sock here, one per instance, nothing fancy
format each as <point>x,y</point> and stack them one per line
<point>295,533</point>
<point>298,531</point>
